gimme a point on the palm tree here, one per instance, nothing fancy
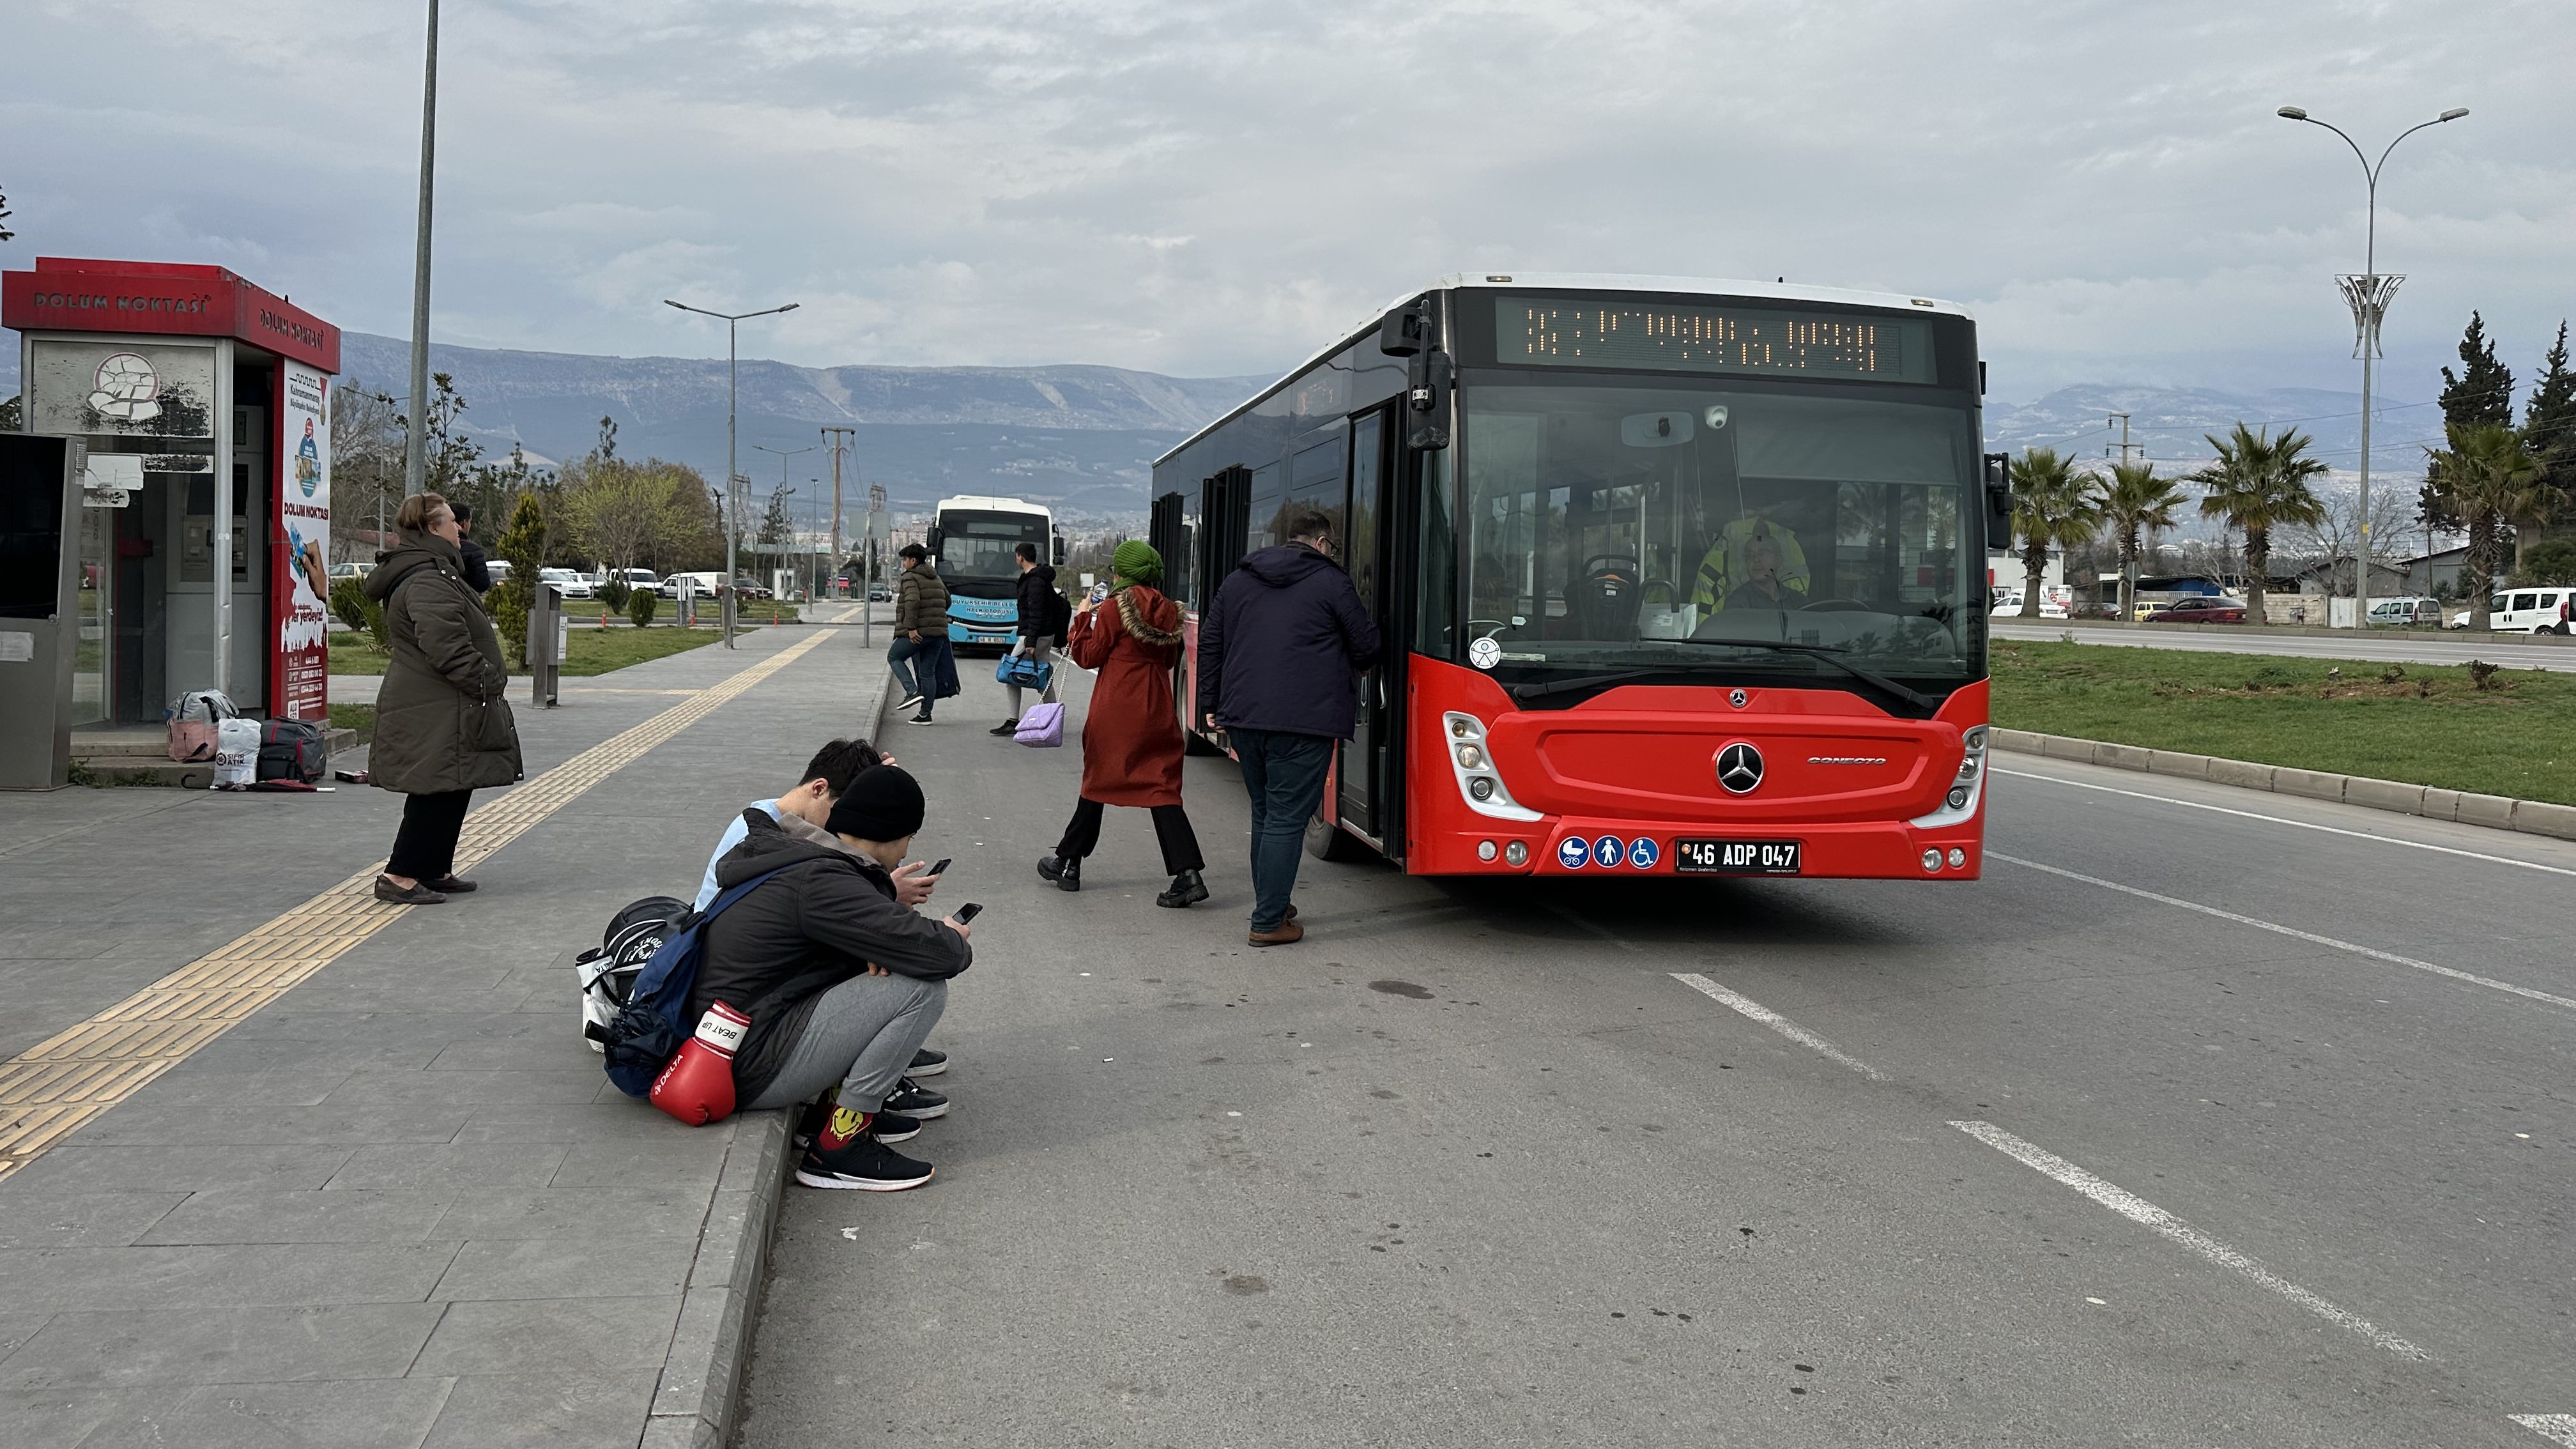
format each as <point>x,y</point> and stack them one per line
<point>2053,504</point>
<point>2135,500</point>
<point>2489,476</point>
<point>2259,484</point>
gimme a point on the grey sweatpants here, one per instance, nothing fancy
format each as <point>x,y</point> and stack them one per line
<point>862,1035</point>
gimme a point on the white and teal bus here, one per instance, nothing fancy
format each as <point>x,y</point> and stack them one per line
<point>975,540</point>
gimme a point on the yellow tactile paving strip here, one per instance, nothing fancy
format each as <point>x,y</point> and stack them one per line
<point>55,1086</point>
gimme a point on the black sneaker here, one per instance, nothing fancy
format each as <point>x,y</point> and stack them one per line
<point>863,1163</point>
<point>908,701</point>
<point>1005,729</point>
<point>915,1100</point>
<point>894,1127</point>
<point>927,1063</point>
<point>921,718</point>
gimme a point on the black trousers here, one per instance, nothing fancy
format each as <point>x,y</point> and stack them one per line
<point>425,846</point>
<point>1171,831</point>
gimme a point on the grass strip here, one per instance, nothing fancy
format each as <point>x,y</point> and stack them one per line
<point>591,651</point>
<point>2512,733</point>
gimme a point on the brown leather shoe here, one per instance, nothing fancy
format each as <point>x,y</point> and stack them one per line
<point>418,894</point>
<point>1287,932</point>
<point>452,884</point>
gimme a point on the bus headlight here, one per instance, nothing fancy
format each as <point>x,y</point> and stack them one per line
<point>1516,853</point>
<point>1478,781</point>
<point>1959,802</point>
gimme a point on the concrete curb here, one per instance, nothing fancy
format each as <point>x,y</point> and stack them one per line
<point>2293,631</point>
<point>700,1393</point>
<point>2494,812</point>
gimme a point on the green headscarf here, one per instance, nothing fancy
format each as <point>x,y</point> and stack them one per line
<point>1136,562</point>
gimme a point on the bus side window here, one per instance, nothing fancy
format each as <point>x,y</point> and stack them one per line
<point>1435,559</point>
<point>1269,486</point>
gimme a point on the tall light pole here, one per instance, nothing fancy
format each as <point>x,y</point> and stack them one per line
<point>838,437</point>
<point>415,450</point>
<point>2368,295</point>
<point>783,455</point>
<point>733,474</point>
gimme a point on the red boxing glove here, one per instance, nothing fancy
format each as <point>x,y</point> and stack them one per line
<point>697,1087</point>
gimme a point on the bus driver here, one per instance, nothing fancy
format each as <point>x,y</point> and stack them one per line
<point>1755,564</point>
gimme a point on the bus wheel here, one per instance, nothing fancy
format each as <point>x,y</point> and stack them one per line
<point>1333,843</point>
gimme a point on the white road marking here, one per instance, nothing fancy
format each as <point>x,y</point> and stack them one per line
<point>2556,1428</point>
<point>2284,820</point>
<point>1756,1011</point>
<point>2277,929</point>
<point>2138,1210</point>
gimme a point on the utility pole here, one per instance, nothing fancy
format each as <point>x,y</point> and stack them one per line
<point>415,455</point>
<point>2124,444</point>
<point>783,455</point>
<point>2368,295</point>
<point>839,439</point>
<point>734,480</point>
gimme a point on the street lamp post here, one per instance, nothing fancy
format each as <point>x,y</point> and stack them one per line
<point>415,451</point>
<point>2368,295</point>
<point>783,455</point>
<point>733,518</point>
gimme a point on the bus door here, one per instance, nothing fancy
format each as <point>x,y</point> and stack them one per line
<point>1224,498</point>
<point>1365,771</point>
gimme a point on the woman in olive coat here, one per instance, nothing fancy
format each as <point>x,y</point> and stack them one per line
<point>443,730</point>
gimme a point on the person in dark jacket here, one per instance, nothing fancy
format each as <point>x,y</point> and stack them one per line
<point>443,730</point>
<point>920,653</point>
<point>1042,626</point>
<point>478,564</point>
<point>842,983</point>
<point>1131,738</point>
<point>1279,655</point>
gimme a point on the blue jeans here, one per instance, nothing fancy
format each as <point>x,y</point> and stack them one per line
<point>1284,774</point>
<point>916,666</point>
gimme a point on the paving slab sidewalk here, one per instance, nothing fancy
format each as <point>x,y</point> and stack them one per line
<point>400,1205</point>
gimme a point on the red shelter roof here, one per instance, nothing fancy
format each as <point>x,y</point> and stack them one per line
<point>74,294</point>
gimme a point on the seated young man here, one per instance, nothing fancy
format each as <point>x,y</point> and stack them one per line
<point>801,813</point>
<point>841,981</point>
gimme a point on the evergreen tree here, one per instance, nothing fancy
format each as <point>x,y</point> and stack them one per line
<point>2549,419</point>
<point>2480,392</point>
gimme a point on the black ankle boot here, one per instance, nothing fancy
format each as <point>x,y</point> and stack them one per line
<point>1186,887</point>
<point>1065,871</point>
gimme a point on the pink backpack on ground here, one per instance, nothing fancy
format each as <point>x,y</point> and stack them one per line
<point>1042,727</point>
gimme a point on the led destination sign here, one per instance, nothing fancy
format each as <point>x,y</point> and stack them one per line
<point>1677,337</point>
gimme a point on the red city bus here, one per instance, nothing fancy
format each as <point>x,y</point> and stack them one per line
<point>1675,576</point>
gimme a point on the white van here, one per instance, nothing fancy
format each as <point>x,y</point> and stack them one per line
<point>704,584</point>
<point>2399,613</point>
<point>2549,610</point>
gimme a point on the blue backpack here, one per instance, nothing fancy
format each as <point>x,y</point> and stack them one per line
<point>651,1027</point>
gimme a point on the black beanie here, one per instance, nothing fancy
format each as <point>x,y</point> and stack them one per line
<point>884,803</point>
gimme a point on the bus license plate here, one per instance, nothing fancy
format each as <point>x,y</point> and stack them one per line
<point>1736,857</point>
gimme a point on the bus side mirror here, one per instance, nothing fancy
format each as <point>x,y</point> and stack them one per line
<point>1999,500</point>
<point>930,539</point>
<point>1428,377</point>
<point>1406,330</point>
<point>1059,550</point>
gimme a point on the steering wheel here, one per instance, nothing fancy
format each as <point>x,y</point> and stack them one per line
<point>1838,606</point>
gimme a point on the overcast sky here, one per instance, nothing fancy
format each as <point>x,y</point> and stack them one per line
<point>1214,189</point>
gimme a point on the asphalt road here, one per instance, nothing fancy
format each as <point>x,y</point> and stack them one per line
<point>2241,1163</point>
<point>2392,646</point>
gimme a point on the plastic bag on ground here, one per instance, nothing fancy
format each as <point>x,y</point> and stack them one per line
<point>236,753</point>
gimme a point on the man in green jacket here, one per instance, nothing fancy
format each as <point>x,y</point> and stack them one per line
<point>920,653</point>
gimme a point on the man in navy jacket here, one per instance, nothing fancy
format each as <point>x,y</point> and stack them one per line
<point>1292,625</point>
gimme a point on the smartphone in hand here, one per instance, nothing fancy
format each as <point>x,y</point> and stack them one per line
<point>966,912</point>
<point>941,868</point>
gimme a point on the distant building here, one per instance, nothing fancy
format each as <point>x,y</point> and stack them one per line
<point>2434,573</point>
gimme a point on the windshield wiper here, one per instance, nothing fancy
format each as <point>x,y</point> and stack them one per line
<point>1827,653</point>
<point>1586,681</point>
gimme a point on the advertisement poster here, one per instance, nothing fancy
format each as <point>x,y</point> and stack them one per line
<point>300,594</point>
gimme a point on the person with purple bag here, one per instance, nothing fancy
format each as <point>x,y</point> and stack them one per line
<point>1131,738</point>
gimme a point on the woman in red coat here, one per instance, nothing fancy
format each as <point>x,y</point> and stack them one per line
<point>1131,740</point>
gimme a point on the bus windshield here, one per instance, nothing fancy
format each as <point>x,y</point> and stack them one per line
<point>1689,530</point>
<point>979,545</point>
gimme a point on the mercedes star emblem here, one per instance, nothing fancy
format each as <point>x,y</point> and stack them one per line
<point>1737,698</point>
<point>1739,768</point>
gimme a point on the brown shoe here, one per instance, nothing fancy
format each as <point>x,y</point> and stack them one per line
<point>416,895</point>
<point>1287,932</point>
<point>452,884</point>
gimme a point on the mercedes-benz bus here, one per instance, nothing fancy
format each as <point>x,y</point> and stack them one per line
<point>1674,576</point>
<point>975,541</point>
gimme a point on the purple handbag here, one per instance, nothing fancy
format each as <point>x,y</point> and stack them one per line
<point>1042,728</point>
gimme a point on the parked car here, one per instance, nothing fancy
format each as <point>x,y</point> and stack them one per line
<point>498,569</point>
<point>2405,613</point>
<point>2205,610</point>
<point>705,582</point>
<point>635,578</point>
<point>750,588</point>
<point>341,571</point>
<point>567,583</point>
<point>2010,608</point>
<point>2533,611</point>
<point>880,595</point>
